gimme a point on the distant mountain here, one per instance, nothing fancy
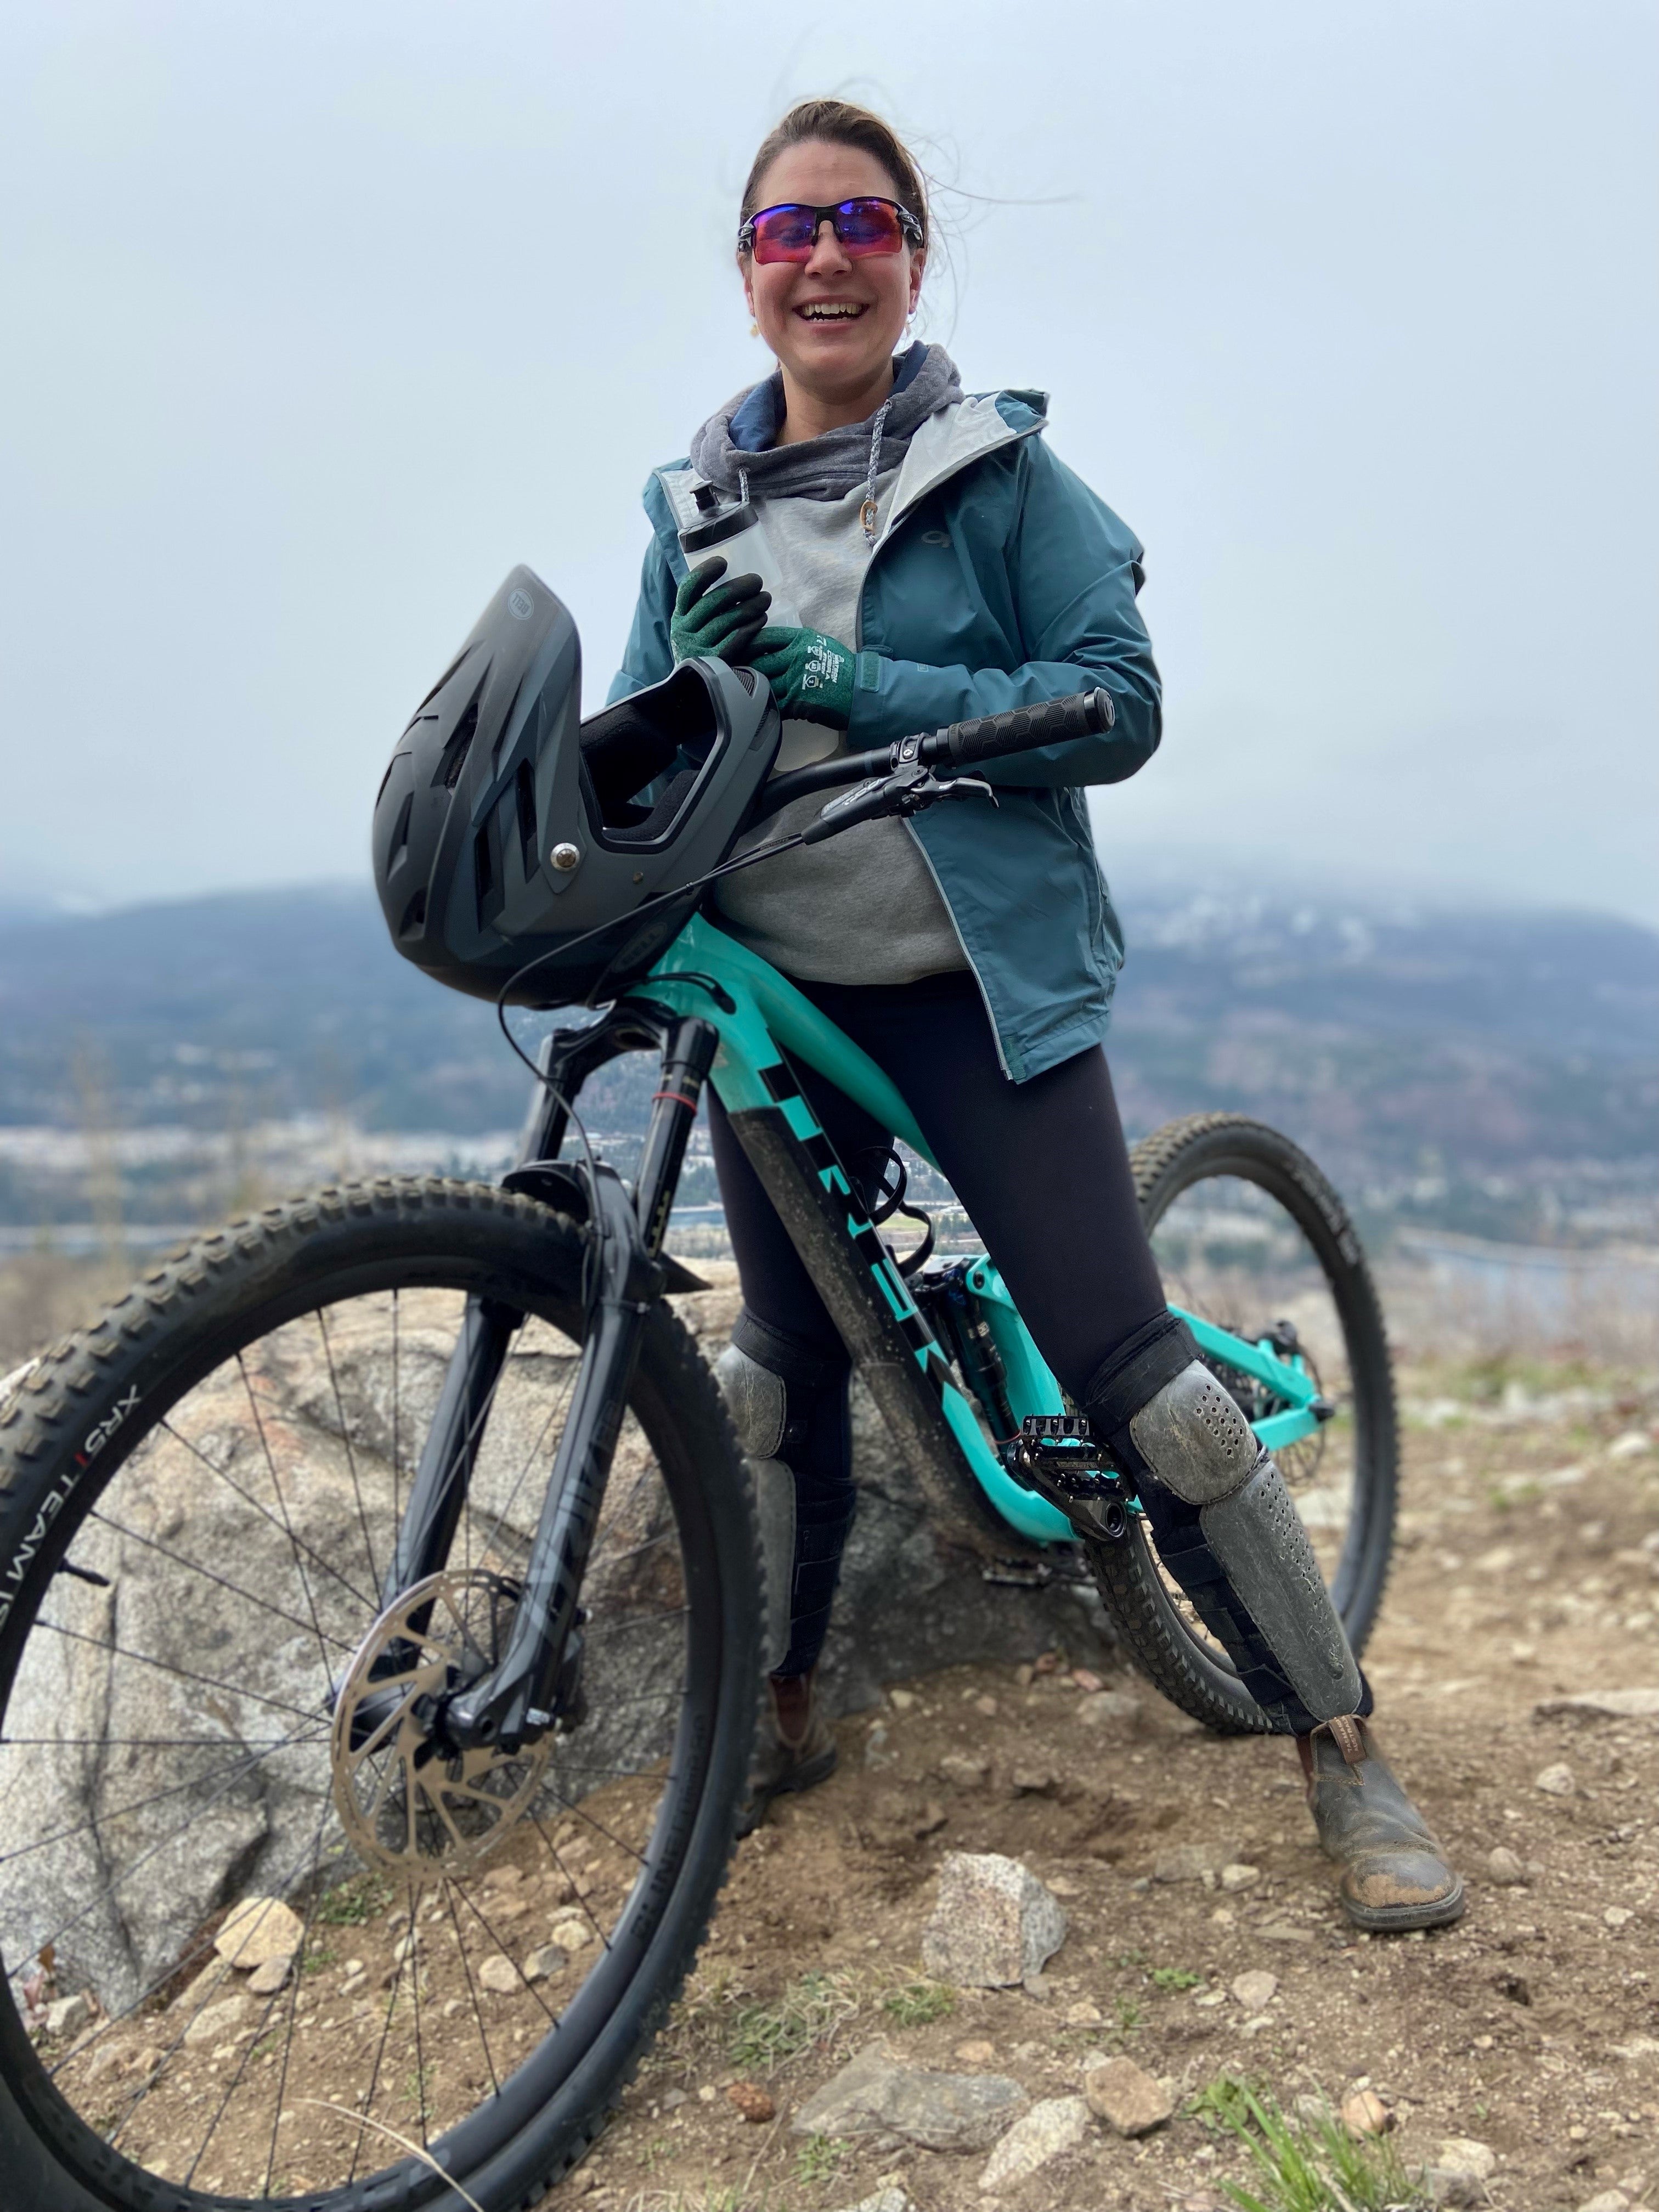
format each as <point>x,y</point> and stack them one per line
<point>1441,1053</point>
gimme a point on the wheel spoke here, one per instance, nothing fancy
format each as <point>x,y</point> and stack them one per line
<point>195,1566</point>
<point>472,1990</point>
<point>265,1513</point>
<point>183,1674</point>
<point>345,1437</point>
<point>287,1524</point>
<point>144,1859</point>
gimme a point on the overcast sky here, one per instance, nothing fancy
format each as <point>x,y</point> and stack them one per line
<point>318,318</point>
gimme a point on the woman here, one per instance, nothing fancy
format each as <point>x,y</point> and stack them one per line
<point>935,560</point>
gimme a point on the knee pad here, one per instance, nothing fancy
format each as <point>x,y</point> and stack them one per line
<point>776,1391</point>
<point>1191,1439</point>
<point>757,1400</point>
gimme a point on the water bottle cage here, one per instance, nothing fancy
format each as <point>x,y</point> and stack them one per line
<point>1060,1457</point>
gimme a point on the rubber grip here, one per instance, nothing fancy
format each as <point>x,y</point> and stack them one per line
<point>1022,729</point>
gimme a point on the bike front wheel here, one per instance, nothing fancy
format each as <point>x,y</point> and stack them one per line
<point>1248,1234</point>
<point>255,1945</point>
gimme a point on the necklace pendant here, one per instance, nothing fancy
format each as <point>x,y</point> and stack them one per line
<point>867,515</point>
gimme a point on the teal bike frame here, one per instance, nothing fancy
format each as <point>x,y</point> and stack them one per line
<point>760,1018</point>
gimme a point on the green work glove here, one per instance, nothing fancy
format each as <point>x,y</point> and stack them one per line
<point>717,621</point>
<point>811,675</point>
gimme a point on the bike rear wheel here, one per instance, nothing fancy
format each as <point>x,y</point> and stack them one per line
<point>238,1957</point>
<point>1248,1234</point>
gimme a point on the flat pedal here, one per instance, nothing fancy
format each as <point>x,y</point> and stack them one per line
<point>1059,1456</point>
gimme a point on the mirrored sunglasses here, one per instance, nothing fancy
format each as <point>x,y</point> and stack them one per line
<point>789,231</point>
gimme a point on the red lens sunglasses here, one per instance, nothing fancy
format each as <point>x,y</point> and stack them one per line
<point>789,231</point>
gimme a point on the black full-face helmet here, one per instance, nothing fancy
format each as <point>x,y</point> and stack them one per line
<point>507,826</point>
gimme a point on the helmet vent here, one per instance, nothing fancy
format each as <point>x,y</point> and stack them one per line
<point>400,833</point>
<point>414,915</point>
<point>523,789</point>
<point>453,759</point>
<point>483,868</point>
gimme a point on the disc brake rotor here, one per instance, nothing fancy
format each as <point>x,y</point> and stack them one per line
<point>409,1804</point>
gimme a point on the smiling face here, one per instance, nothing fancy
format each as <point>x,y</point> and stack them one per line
<point>833,322</point>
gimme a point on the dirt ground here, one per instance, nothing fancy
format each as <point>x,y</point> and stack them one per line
<point>1529,1569</point>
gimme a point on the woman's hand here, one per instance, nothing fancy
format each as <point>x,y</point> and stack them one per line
<point>715,620</point>
<point>811,675</point>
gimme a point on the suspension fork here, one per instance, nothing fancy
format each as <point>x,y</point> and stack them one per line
<point>518,1698</point>
<point>444,1473</point>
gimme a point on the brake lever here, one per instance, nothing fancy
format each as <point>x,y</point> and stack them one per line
<point>908,791</point>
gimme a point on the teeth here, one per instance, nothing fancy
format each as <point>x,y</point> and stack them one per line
<point>825,312</point>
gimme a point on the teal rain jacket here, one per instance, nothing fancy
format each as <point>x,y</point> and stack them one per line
<point>999,580</point>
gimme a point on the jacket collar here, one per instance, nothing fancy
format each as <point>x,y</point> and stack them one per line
<point>948,442</point>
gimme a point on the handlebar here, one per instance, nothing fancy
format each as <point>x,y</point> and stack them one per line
<point>962,744</point>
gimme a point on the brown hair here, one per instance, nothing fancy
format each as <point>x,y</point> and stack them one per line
<point>839,123</point>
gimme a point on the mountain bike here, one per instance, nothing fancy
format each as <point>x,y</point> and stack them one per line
<point>382,1597</point>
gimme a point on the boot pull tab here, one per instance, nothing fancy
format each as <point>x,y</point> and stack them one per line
<point>1349,1738</point>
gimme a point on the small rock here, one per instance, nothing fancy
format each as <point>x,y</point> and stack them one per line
<point>69,2015</point>
<point>260,1928</point>
<point>212,1976</point>
<point>572,1934</point>
<point>503,1877</point>
<point>1087,1680</point>
<point>1617,1915</point>
<point>891,2199</point>
<point>1055,2125</point>
<point>499,1975</point>
<point>544,1963</point>
<point>269,1977</point>
<point>962,1772</point>
<point>994,1925</point>
<point>1505,1869</point>
<point>1187,1863</point>
<point>354,1984</point>
<point>1128,2099</point>
<point>874,2095</point>
<point>977,2053</point>
<point>1254,1990</point>
<point>1032,1781</point>
<point>1635,1443</point>
<point>1607,2200</point>
<point>1555,1781</point>
<point>1101,1706</point>
<point>1281,1931</point>
<point>877,1750</point>
<point>1364,2113</point>
<point>1240,1876</point>
<point>988,1705</point>
<point>1208,1997</point>
<point>1460,2171</point>
<point>1601,1704</point>
<point>751,2102</point>
<point>901,1700</point>
<point>217,2023</point>
<point>1083,2013</point>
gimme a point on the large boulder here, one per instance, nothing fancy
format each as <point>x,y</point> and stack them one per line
<point>181,1722</point>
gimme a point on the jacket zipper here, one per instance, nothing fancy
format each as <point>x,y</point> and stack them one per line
<point>886,539</point>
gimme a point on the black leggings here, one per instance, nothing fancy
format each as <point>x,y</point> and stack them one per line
<point>1043,1171</point>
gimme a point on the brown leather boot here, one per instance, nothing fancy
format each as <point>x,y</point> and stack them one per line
<point>1393,1875</point>
<point>796,1748</point>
